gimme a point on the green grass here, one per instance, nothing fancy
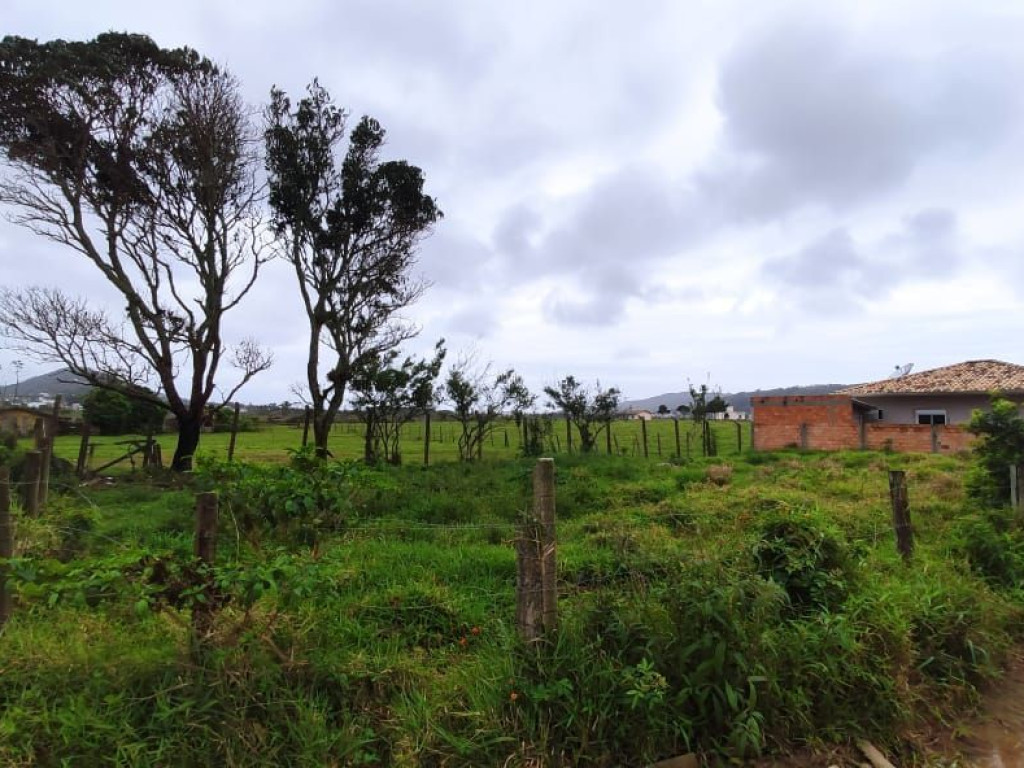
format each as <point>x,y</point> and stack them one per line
<point>373,624</point>
<point>272,443</point>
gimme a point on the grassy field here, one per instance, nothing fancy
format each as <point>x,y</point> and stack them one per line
<point>272,443</point>
<point>738,606</point>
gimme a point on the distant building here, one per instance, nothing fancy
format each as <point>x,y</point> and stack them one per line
<point>926,411</point>
<point>637,414</point>
<point>18,421</point>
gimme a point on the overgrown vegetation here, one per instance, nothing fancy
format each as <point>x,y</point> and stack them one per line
<point>364,615</point>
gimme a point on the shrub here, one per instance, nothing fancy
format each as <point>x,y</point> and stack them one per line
<point>1000,445</point>
<point>809,562</point>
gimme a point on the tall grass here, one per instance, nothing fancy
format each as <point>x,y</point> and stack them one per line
<point>737,606</point>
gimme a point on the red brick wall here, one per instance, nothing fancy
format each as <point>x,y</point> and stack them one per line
<point>916,438</point>
<point>831,424</point>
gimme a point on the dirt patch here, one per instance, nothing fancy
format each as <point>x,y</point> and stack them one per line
<point>995,738</point>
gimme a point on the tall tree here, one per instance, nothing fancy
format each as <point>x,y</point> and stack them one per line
<point>351,232</point>
<point>141,160</point>
<point>589,410</point>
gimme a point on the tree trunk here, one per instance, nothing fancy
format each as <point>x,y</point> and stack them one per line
<point>321,433</point>
<point>189,428</point>
<point>369,445</point>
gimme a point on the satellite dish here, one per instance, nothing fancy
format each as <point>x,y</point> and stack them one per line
<point>901,371</point>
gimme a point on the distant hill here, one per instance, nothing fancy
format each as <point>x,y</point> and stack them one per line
<point>738,400</point>
<point>60,382</point>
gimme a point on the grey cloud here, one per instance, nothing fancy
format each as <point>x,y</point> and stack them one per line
<point>475,321</point>
<point>597,299</point>
<point>514,231</point>
<point>452,259</point>
<point>834,273</point>
<point>813,114</point>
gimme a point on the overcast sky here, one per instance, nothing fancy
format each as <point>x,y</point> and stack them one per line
<point>766,193</point>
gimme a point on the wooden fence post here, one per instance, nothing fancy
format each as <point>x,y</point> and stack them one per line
<point>901,513</point>
<point>739,437</point>
<point>30,483</point>
<point>206,527</point>
<point>803,436</point>
<point>83,450</point>
<point>643,431</point>
<point>426,439</point>
<point>568,434</point>
<point>687,444</point>
<point>234,433</point>
<point>544,503</point>
<point>206,552</point>
<point>679,451</point>
<point>6,543</point>
<point>935,437</point>
<point>536,577</point>
<point>305,428</point>
<point>608,436</point>
<point>658,436</point>
<point>47,459</point>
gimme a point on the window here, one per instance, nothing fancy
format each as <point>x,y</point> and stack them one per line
<point>881,414</point>
<point>931,417</point>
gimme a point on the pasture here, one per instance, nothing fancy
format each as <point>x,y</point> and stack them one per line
<point>738,606</point>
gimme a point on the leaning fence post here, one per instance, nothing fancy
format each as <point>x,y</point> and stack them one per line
<point>83,450</point>
<point>6,543</point>
<point>30,484</point>
<point>901,513</point>
<point>234,433</point>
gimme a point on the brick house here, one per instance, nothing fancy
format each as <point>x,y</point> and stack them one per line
<point>924,411</point>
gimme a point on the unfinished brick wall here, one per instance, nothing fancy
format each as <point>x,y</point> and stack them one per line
<point>830,423</point>
<point>916,438</point>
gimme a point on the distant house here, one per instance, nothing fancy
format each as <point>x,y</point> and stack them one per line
<point>729,414</point>
<point>18,421</point>
<point>637,414</point>
<point>924,411</point>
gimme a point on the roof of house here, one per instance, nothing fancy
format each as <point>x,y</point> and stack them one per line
<point>972,376</point>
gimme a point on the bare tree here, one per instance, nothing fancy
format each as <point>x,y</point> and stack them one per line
<point>351,233</point>
<point>142,160</point>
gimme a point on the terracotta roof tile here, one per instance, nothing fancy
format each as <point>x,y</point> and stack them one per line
<point>969,376</point>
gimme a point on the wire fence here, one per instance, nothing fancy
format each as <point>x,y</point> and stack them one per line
<point>390,530</point>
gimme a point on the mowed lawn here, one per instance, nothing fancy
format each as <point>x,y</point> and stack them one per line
<point>273,443</point>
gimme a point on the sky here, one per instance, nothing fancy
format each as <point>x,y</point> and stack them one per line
<point>753,194</point>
